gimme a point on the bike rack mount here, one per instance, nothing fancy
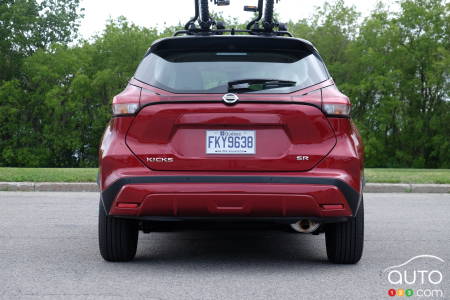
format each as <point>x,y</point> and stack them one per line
<point>208,26</point>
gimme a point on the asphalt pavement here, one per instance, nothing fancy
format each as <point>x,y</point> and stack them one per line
<point>49,250</point>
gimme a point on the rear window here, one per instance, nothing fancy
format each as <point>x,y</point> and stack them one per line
<point>213,71</point>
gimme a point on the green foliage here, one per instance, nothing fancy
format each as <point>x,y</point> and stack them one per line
<point>437,176</point>
<point>395,68</point>
<point>399,84</point>
<point>55,95</point>
<point>48,174</point>
<point>29,25</point>
<point>56,114</point>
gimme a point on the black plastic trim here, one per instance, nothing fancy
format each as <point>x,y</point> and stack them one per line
<point>219,32</point>
<point>287,220</point>
<point>253,41</point>
<point>353,197</point>
<point>338,116</point>
<point>261,94</point>
<point>125,115</point>
<point>221,102</point>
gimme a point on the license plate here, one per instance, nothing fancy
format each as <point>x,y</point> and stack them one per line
<point>230,142</point>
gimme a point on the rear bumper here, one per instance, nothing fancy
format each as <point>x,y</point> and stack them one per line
<point>230,197</point>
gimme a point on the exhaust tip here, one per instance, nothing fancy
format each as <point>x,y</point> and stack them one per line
<point>305,226</point>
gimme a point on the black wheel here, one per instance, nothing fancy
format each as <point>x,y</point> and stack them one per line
<point>345,240</point>
<point>117,237</point>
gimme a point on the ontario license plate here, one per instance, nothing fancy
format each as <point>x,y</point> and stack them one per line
<point>230,142</point>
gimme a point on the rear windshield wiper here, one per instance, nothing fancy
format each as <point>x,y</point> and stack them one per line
<point>252,85</point>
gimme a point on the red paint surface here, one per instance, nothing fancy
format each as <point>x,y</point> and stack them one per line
<point>202,199</point>
<point>286,129</point>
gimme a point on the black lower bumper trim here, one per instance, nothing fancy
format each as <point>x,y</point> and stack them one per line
<point>287,220</point>
<point>353,197</point>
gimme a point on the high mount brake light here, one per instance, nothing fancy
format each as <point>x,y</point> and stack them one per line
<point>124,109</point>
<point>337,110</point>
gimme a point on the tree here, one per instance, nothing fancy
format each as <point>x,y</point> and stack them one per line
<point>55,96</point>
<point>56,114</point>
<point>399,85</point>
<point>29,25</point>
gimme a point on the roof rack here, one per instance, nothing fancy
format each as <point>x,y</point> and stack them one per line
<point>207,26</point>
<point>231,32</point>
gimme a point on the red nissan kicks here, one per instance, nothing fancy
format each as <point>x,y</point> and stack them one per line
<point>216,126</point>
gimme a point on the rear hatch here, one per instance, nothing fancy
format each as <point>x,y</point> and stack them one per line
<point>190,127</point>
<point>264,137</point>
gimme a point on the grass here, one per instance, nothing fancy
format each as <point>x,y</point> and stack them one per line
<point>439,176</point>
<point>90,175</point>
<point>48,174</point>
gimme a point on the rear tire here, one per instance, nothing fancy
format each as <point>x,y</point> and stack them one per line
<point>345,240</point>
<point>117,237</point>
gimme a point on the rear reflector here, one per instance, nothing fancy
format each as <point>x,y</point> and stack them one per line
<point>332,206</point>
<point>127,205</point>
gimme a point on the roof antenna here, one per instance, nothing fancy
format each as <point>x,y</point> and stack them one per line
<point>191,22</point>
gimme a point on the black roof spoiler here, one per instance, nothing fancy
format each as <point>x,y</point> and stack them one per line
<point>232,43</point>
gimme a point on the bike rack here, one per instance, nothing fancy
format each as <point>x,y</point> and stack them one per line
<point>255,27</point>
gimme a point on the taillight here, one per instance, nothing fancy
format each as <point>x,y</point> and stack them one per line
<point>337,109</point>
<point>334,103</point>
<point>127,102</point>
<point>120,109</point>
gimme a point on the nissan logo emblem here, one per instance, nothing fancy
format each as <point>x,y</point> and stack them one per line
<point>230,98</point>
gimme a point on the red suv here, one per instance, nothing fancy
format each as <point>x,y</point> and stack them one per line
<point>232,128</point>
